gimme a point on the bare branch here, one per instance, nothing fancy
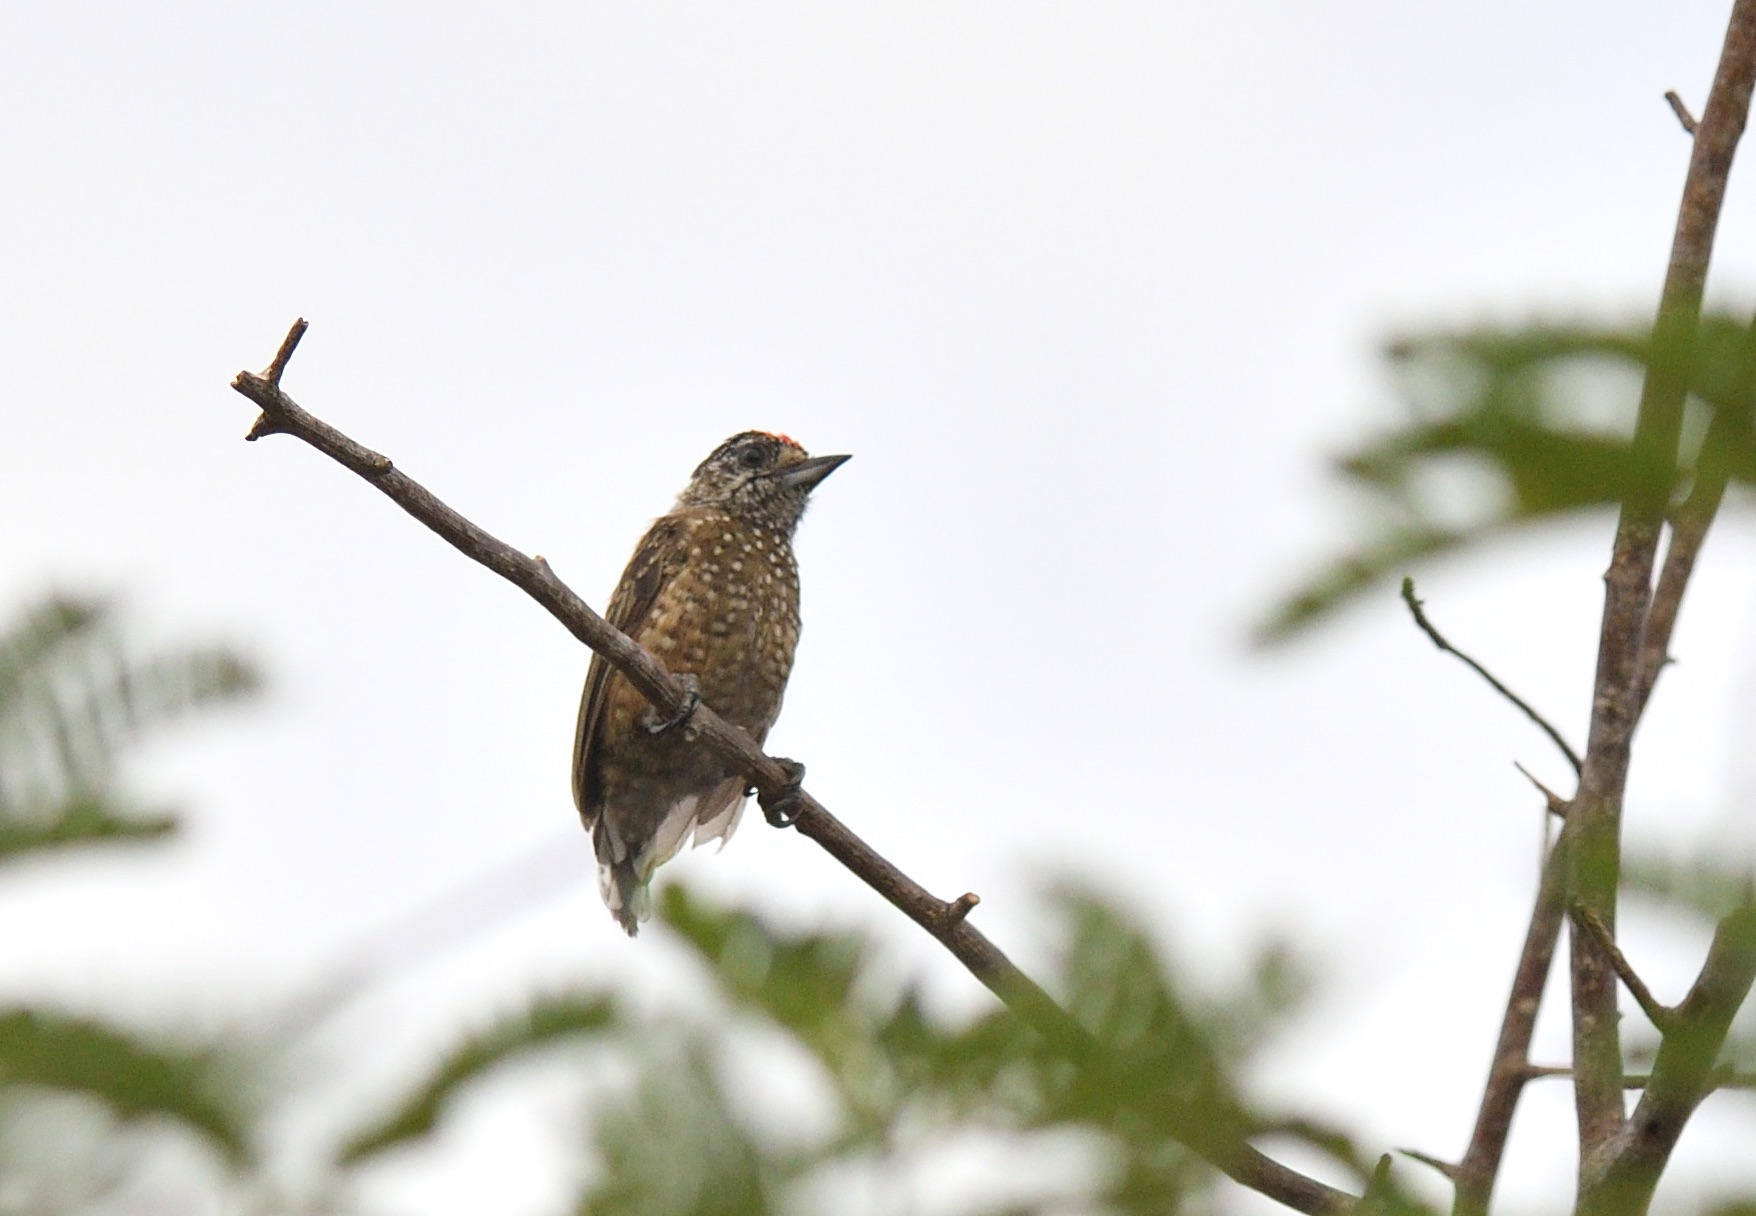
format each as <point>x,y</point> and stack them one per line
<point>1681,111</point>
<point>1657,1012</point>
<point>1511,1068</point>
<point>1215,1140</point>
<point>1593,831</point>
<point>1416,608</point>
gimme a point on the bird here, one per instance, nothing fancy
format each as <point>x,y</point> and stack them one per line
<point>712,592</point>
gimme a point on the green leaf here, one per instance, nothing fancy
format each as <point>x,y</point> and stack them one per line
<point>803,982</point>
<point>73,694</point>
<point>674,1148</point>
<point>133,1076</point>
<point>82,821</point>
<point>1708,883</point>
<point>1157,1069</point>
<point>1548,414</point>
<point>1348,577</point>
<point>547,1021</point>
<point>40,632</point>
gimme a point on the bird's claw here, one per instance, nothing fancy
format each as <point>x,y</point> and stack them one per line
<point>782,810</point>
<point>691,702</point>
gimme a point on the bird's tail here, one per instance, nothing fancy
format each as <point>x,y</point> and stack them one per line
<point>626,893</point>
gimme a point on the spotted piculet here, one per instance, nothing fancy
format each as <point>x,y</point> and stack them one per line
<point>712,591</point>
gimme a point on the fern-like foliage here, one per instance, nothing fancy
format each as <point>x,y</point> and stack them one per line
<point>1507,429</point>
<point>135,1076</point>
<point>73,695</point>
<point>681,1135</point>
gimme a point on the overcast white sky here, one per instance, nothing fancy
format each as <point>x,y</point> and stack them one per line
<point>1088,290</point>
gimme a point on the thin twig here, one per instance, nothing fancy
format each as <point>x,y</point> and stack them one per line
<point>1417,610</point>
<point>1593,831</point>
<point>1537,1072</point>
<point>1447,1168</point>
<point>278,367</point>
<point>1722,1077</point>
<point>1214,1139</point>
<point>1657,1012</point>
<point>1511,1066</point>
<point>1556,805</point>
<point>1680,110</point>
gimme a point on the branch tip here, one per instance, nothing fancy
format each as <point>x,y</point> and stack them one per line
<point>1538,1072</point>
<point>288,345</point>
<point>1444,1167</point>
<point>263,426</point>
<point>959,909</point>
<point>1681,111</point>
<point>1557,805</point>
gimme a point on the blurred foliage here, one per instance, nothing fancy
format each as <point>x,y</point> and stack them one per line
<point>1510,428</point>
<point>1708,884</point>
<point>807,1076</point>
<point>688,1133</point>
<point>74,694</point>
<point>134,1078</point>
<point>548,1020</point>
<point>685,1113</point>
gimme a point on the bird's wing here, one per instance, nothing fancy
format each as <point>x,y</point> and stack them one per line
<point>655,562</point>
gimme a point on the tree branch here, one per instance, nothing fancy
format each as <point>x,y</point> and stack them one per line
<point>1417,610</point>
<point>1511,1067</point>
<point>1215,1140</point>
<point>1594,824</point>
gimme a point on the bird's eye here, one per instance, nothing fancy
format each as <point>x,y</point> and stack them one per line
<point>752,458</point>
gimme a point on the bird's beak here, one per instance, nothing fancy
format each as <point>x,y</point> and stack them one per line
<point>807,473</point>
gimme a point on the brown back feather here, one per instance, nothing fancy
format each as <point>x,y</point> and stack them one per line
<point>655,562</point>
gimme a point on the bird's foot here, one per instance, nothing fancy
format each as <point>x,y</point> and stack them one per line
<point>782,810</point>
<point>691,702</point>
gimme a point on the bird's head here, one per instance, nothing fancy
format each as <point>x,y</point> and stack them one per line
<point>759,477</point>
